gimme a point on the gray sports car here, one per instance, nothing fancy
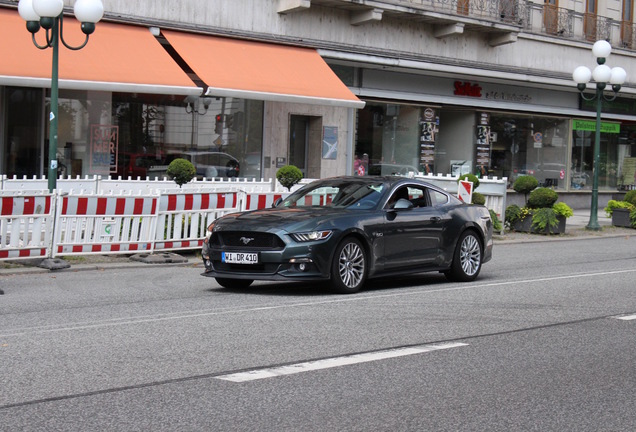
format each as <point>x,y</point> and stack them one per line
<point>344,230</point>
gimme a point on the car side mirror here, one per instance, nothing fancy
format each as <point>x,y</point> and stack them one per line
<point>403,204</point>
<point>277,202</point>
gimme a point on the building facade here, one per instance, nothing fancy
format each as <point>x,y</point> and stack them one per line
<point>331,86</point>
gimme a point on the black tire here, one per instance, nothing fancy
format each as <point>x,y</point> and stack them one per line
<point>234,283</point>
<point>349,267</point>
<point>466,259</point>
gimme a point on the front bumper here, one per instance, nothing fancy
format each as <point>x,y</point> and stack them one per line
<point>299,262</point>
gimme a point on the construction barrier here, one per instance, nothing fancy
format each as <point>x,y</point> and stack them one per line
<point>183,217</point>
<point>93,224</point>
<point>26,225</point>
<point>258,201</point>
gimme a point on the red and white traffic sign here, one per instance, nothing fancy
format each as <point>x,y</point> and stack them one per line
<point>465,191</point>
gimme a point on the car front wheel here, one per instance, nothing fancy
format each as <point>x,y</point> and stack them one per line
<point>467,258</point>
<point>234,283</point>
<point>349,268</point>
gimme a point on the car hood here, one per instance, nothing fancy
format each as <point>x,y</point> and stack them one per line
<point>286,219</point>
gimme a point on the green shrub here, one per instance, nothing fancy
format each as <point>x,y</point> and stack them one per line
<point>614,204</point>
<point>288,176</point>
<point>630,197</point>
<point>471,178</point>
<point>562,209</point>
<point>496,223</point>
<point>525,184</point>
<point>513,214</point>
<point>542,198</point>
<point>632,217</point>
<point>478,198</point>
<point>544,217</point>
<point>181,171</point>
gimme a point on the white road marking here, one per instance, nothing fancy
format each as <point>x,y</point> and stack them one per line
<point>626,317</point>
<point>334,362</point>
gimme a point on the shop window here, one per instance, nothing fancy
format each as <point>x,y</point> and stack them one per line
<point>529,145</point>
<point>22,152</point>
<point>395,139</point>
<point>617,164</point>
<point>132,135</point>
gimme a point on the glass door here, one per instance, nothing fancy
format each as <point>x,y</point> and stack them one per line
<point>23,151</point>
<point>298,138</point>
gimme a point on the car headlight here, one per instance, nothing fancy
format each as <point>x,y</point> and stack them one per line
<point>311,236</point>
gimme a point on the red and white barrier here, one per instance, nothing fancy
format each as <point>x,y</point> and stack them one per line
<point>183,218</point>
<point>105,224</point>
<point>259,201</point>
<point>26,225</point>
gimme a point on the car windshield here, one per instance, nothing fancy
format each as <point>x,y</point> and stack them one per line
<point>352,195</point>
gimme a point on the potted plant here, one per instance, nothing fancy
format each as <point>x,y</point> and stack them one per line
<point>181,171</point>
<point>620,211</point>
<point>542,214</point>
<point>289,175</point>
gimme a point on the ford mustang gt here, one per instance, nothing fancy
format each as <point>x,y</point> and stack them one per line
<point>345,230</point>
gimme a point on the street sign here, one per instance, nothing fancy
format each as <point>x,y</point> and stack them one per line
<point>465,191</point>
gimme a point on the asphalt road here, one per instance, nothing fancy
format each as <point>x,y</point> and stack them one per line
<point>543,340</point>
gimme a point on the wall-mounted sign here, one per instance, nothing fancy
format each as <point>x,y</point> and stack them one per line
<point>467,89</point>
<point>104,147</point>
<point>329,142</point>
<point>590,125</point>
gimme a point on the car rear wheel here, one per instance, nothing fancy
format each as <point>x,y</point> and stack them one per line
<point>467,258</point>
<point>234,283</point>
<point>349,267</point>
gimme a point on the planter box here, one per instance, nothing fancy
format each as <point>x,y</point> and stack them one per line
<point>620,218</point>
<point>525,225</point>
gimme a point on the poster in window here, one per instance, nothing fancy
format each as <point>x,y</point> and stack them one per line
<point>483,148</point>
<point>429,124</point>
<point>103,150</point>
<point>329,142</point>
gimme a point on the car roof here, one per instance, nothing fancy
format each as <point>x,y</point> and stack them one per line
<point>389,180</point>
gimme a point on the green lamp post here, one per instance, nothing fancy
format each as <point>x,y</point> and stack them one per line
<point>602,75</point>
<point>48,14</point>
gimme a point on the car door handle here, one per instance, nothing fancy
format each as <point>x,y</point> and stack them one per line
<point>435,218</point>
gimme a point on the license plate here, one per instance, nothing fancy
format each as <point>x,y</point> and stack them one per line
<point>239,258</point>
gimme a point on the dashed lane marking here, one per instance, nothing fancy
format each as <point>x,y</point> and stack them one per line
<point>626,317</point>
<point>334,362</point>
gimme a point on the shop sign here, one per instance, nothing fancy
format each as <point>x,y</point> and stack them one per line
<point>467,89</point>
<point>104,146</point>
<point>590,125</point>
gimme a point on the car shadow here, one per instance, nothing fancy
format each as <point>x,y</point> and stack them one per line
<point>315,289</point>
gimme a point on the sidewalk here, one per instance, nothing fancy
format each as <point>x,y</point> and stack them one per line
<point>574,230</point>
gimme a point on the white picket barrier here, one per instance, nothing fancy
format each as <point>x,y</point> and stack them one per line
<point>183,217</point>
<point>26,225</point>
<point>99,224</point>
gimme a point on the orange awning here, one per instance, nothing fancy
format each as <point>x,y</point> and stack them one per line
<point>263,71</point>
<point>118,57</point>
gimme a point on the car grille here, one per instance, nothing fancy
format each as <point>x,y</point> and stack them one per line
<point>246,268</point>
<point>259,240</point>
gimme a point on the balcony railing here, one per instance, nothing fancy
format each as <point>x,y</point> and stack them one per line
<point>529,16</point>
<point>512,12</point>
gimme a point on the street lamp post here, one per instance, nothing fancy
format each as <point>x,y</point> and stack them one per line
<point>602,76</point>
<point>48,14</point>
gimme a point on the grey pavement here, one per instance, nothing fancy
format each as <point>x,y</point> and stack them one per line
<point>575,230</point>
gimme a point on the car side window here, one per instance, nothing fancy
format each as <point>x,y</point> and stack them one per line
<point>418,197</point>
<point>438,198</point>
